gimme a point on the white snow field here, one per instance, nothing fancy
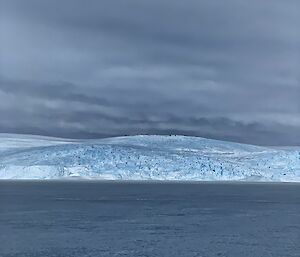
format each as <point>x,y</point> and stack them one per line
<point>145,158</point>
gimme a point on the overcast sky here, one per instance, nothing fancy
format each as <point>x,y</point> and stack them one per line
<point>89,69</point>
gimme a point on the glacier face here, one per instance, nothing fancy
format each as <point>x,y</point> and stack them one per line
<point>144,158</point>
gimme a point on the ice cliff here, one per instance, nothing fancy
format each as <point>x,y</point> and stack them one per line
<point>144,158</point>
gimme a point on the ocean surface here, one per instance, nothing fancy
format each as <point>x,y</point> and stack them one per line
<point>90,218</point>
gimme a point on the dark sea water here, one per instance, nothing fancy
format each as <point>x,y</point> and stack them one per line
<point>80,219</point>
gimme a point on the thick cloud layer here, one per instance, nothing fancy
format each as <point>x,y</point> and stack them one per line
<point>89,69</point>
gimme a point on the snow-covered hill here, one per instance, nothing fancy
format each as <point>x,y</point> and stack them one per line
<point>144,158</point>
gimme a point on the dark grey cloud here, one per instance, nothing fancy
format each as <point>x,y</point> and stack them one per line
<point>220,69</point>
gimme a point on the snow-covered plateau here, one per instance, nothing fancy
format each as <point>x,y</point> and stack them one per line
<point>145,158</point>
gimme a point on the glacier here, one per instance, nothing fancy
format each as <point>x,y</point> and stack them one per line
<point>145,157</point>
